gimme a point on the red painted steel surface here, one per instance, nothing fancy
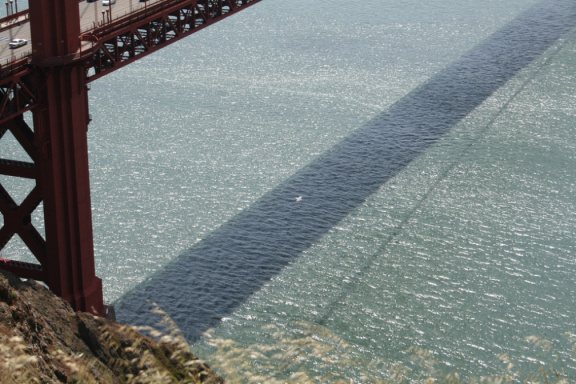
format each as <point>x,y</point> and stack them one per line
<point>17,218</point>
<point>17,94</point>
<point>58,146</point>
<point>52,84</point>
<point>123,41</point>
<point>61,123</point>
<point>55,27</point>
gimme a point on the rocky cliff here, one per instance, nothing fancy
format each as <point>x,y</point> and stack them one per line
<point>42,340</point>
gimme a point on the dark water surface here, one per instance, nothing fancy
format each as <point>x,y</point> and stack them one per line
<point>432,151</point>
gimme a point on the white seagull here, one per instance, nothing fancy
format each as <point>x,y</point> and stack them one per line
<point>299,198</point>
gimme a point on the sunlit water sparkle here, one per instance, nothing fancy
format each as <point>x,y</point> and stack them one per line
<point>463,246</point>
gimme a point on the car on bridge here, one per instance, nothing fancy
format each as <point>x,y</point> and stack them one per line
<point>108,2</point>
<point>17,43</point>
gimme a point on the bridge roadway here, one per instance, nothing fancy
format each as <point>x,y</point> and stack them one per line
<point>92,14</point>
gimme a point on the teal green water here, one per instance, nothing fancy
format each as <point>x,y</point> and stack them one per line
<point>433,154</point>
<point>466,252</point>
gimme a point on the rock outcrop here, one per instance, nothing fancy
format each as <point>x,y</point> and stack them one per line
<point>42,340</point>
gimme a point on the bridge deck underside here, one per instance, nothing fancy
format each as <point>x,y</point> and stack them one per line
<point>127,44</point>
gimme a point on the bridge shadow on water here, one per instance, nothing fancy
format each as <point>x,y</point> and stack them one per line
<point>219,273</point>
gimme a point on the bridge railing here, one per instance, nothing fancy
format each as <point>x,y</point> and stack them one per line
<point>107,18</point>
<point>12,65</point>
<point>151,7</point>
<point>14,19</point>
<point>126,40</point>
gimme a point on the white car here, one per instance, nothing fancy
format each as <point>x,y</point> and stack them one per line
<point>17,43</point>
<point>108,2</point>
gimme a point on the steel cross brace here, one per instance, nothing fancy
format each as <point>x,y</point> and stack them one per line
<point>52,85</point>
<point>119,43</point>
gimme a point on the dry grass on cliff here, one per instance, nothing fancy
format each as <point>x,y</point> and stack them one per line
<point>42,340</point>
<point>281,363</point>
<point>37,348</point>
<point>316,355</point>
<point>14,362</point>
<point>17,366</point>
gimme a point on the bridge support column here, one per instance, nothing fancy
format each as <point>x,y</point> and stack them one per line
<point>60,127</point>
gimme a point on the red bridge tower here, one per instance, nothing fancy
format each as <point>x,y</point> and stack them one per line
<point>52,84</point>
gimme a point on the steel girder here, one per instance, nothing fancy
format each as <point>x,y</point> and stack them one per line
<point>17,218</point>
<point>124,41</point>
<point>52,84</point>
<point>17,94</point>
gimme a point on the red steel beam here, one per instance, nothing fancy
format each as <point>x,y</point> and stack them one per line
<point>124,41</point>
<point>52,84</point>
<point>17,218</point>
<point>60,129</point>
<point>17,95</point>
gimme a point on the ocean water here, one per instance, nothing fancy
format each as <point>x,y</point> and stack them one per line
<point>400,174</point>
